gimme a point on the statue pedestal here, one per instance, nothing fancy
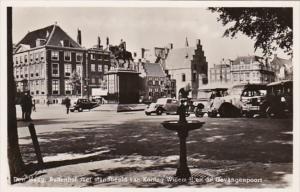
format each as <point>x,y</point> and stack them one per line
<point>123,86</point>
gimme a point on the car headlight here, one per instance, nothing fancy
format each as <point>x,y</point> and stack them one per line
<point>283,99</point>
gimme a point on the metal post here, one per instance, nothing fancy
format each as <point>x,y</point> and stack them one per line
<point>35,144</point>
<point>81,78</point>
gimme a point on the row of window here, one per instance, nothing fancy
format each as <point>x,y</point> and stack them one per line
<point>99,69</point>
<point>155,78</point>
<point>33,57</point>
<point>94,56</point>
<point>156,94</point>
<point>155,82</point>
<point>32,71</point>
<point>67,56</point>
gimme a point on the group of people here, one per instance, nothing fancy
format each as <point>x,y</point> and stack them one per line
<point>27,106</point>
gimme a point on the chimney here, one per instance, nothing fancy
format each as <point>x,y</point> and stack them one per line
<point>171,45</point>
<point>79,37</point>
<point>134,54</point>
<point>198,42</point>
<point>99,42</point>
<point>107,41</point>
<point>143,53</point>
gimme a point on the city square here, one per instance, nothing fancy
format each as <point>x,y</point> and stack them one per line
<point>101,145</point>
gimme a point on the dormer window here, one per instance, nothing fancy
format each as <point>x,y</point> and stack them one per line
<point>40,42</point>
<point>65,43</point>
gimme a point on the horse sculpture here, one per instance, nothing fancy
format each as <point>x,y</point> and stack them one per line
<point>121,54</point>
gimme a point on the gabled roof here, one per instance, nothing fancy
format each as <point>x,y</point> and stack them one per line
<point>51,35</point>
<point>247,59</point>
<point>180,58</point>
<point>154,70</point>
<point>31,37</point>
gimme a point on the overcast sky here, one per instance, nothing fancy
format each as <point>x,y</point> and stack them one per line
<point>139,27</point>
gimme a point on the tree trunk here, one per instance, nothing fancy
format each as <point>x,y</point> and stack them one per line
<point>16,164</point>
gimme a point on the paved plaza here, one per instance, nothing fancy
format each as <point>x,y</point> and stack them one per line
<point>130,149</point>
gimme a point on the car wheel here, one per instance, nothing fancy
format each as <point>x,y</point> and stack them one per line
<point>159,111</point>
<point>80,109</point>
<point>249,114</point>
<point>198,113</point>
<point>147,113</point>
<point>71,110</point>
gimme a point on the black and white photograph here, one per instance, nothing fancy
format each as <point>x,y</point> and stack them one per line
<point>150,95</point>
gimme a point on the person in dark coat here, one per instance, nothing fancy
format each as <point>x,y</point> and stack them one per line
<point>68,104</point>
<point>23,107</point>
<point>28,106</point>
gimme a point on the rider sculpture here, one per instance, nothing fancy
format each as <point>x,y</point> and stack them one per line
<point>121,54</point>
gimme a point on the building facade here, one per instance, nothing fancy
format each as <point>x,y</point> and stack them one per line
<point>220,73</point>
<point>188,67</point>
<point>154,82</point>
<point>251,69</point>
<point>98,64</point>
<point>46,59</point>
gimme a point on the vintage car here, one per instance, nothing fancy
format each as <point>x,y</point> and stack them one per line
<point>163,105</point>
<point>279,100</point>
<point>204,99</point>
<point>242,99</point>
<point>82,104</point>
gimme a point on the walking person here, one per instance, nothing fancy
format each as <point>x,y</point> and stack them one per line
<point>33,106</point>
<point>28,106</point>
<point>68,104</point>
<point>23,107</point>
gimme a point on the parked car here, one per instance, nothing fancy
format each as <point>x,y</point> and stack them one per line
<point>204,99</point>
<point>82,104</point>
<point>242,99</point>
<point>279,100</point>
<point>163,105</point>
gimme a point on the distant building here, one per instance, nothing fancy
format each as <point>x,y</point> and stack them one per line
<point>98,64</point>
<point>251,69</point>
<point>220,73</point>
<point>45,59</point>
<point>188,67</point>
<point>154,82</point>
<point>283,68</point>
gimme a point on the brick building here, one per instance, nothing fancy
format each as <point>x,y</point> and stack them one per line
<point>45,59</point>
<point>154,82</point>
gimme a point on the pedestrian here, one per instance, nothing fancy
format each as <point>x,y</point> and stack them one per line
<point>28,106</point>
<point>33,106</point>
<point>48,103</point>
<point>68,104</point>
<point>23,107</point>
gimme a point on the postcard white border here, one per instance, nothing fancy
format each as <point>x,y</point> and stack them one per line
<point>3,97</point>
